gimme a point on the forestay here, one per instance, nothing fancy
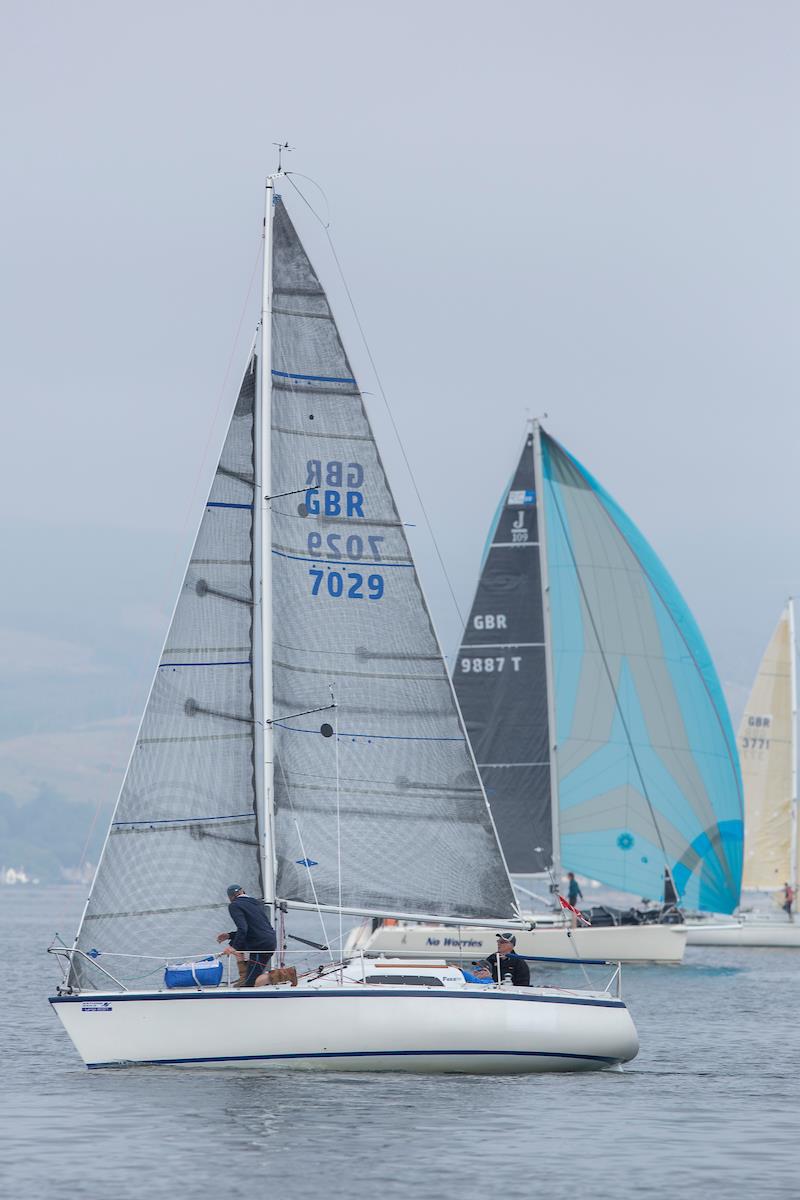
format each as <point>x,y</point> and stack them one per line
<point>185,824</point>
<point>413,832</point>
<point>648,773</point>
<point>766,752</point>
<point>501,679</point>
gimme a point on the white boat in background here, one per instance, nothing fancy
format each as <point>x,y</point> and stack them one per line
<point>302,739</point>
<point>12,876</point>
<point>768,755</point>
<point>552,937</point>
<point>749,929</point>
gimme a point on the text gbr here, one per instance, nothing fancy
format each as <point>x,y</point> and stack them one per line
<point>487,664</point>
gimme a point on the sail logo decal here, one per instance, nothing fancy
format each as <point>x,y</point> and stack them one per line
<point>524,498</point>
<point>518,531</point>
<point>99,1006</point>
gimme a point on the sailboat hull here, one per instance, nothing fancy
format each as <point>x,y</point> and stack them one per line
<point>763,933</point>
<point>618,943</point>
<point>476,1030</point>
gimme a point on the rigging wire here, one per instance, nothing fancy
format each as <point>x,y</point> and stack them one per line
<point>326,228</point>
<point>555,890</point>
<point>306,859</point>
<point>338,812</point>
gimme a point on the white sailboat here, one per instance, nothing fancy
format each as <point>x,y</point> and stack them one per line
<point>597,720</point>
<point>768,754</point>
<point>550,938</point>
<point>302,739</point>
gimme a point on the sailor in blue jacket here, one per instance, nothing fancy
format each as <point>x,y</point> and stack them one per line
<point>253,932</point>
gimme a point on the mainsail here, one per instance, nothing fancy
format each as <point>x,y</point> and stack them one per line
<point>767,751</point>
<point>500,676</point>
<point>390,812</point>
<point>647,770</point>
<point>186,824</point>
<point>386,813</point>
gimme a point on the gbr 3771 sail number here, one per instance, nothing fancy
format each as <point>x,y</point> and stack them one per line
<point>334,490</point>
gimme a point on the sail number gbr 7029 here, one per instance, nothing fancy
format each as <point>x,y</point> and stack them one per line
<point>334,490</point>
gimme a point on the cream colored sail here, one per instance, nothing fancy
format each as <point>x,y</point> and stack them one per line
<point>766,751</point>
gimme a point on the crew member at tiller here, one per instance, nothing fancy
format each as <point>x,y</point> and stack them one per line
<point>506,963</point>
<point>253,932</point>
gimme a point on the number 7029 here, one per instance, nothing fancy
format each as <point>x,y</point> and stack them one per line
<point>350,584</point>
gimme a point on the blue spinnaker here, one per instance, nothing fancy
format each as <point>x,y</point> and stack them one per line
<point>648,772</point>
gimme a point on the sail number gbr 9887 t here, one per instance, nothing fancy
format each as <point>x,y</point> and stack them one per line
<point>334,490</point>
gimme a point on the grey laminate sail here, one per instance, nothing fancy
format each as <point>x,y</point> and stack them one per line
<point>414,831</point>
<point>185,824</point>
<point>500,677</point>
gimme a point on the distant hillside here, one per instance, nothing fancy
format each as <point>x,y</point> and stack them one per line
<point>47,836</point>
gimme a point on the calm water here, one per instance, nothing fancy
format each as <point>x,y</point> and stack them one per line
<point>710,1104</point>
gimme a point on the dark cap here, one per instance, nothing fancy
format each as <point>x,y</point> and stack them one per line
<point>234,890</point>
<point>507,937</point>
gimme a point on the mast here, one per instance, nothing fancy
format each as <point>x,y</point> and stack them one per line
<point>548,653</point>
<point>262,674</point>
<point>793,677</point>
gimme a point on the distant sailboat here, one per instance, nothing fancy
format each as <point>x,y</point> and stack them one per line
<point>596,715</point>
<point>302,739</point>
<point>768,754</point>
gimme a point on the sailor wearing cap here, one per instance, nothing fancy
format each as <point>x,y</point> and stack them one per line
<point>253,933</point>
<point>506,963</point>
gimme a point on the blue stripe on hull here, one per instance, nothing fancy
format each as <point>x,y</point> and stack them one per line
<point>334,993</point>
<point>234,1058</point>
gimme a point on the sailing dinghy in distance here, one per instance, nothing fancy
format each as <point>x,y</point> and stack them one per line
<point>597,720</point>
<point>302,738</point>
<point>768,754</point>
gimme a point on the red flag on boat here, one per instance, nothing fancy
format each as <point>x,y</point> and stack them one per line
<point>570,908</point>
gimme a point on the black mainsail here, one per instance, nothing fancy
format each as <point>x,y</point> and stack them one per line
<point>500,677</point>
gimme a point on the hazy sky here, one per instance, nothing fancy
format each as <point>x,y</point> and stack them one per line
<point>585,209</point>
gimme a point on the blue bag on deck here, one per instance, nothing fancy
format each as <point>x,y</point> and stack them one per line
<point>207,972</point>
